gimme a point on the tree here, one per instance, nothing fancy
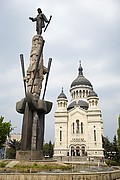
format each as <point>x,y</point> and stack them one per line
<point>10,153</point>
<point>115,149</point>
<point>118,133</point>
<point>48,149</point>
<point>107,145</point>
<point>14,145</point>
<point>5,129</point>
<point>115,144</point>
<point>45,149</point>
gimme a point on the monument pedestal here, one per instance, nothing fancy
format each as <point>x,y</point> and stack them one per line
<point>29,155</point>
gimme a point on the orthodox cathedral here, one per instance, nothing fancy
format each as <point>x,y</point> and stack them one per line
<point>78,125</point>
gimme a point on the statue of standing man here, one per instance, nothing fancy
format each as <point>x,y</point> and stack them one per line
<point>40,21</point>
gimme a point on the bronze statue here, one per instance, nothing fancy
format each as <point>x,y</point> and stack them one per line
<point>33,106</point>
<point>40,21</point>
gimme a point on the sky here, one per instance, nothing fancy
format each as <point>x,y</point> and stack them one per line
<point>86,30</point>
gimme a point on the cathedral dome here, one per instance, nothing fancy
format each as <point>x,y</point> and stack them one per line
<point>92,93</point>
<point>80,103</point>
<point>81,80</point>
<point>62,95</point>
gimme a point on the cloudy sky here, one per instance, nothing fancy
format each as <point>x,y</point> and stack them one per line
<point>86,30</point>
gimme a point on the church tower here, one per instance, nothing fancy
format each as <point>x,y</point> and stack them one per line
<point>78,125</point>
<point>61,126</point>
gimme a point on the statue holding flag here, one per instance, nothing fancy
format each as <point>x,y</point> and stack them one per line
<point>33,106</point>
<point>40,21</point>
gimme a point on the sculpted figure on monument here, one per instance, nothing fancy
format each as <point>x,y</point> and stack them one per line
<point>40,21</point>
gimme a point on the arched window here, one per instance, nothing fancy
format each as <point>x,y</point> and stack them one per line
<point>81,127</point>
<point>77,127</point>
<point>96,103</point>
<point>80,93</point>
<point>76,94</point>
<point>90,103</point>
<point>83,93</point>
<point>86,93</point>
<point>72,95</point>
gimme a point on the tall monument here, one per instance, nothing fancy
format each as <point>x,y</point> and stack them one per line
<point>33,106</point>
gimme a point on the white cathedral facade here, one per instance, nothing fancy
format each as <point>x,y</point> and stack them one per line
<point>78,125</point>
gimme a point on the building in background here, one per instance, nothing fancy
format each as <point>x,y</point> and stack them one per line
<point>13,137</point>
<point>78,125</point>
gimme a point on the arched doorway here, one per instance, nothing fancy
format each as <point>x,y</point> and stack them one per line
<point>83,151</point>
<point>77,151</point>
<point>72,151</point>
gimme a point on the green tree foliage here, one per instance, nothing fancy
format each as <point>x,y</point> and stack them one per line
<point>115,144</point>
<point>5,128</point>
<point>115,149</point>
<point>48,149</point>
<point>111,148</point>
<point>118,133</point>
<point>107,145</point>
<point>14,145</point>
<point>10,153</point>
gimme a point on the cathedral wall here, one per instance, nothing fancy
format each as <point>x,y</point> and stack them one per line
<point>95,134</point>
<point>77,131</point>
<point>61,134</point>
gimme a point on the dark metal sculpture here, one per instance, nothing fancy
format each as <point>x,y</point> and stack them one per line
<point>40,21</point>
<point>32,106</point>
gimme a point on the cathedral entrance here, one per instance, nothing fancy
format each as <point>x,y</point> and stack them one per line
<point>72,151</point>
<point>83,151</point>
<point>77,150</point>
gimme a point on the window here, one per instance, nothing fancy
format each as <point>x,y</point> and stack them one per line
<point>96,103</point>
<point>83,93</point>
<point>76,94</point>
<point>81,128</point>
<point>73,128</point>
<point>60,135</point>
<point>87,93</point>
<point>94,135</point>
<point>77,127</point>
<point>80,93</point>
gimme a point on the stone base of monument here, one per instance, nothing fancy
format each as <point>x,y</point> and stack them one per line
<point>29,155</point>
